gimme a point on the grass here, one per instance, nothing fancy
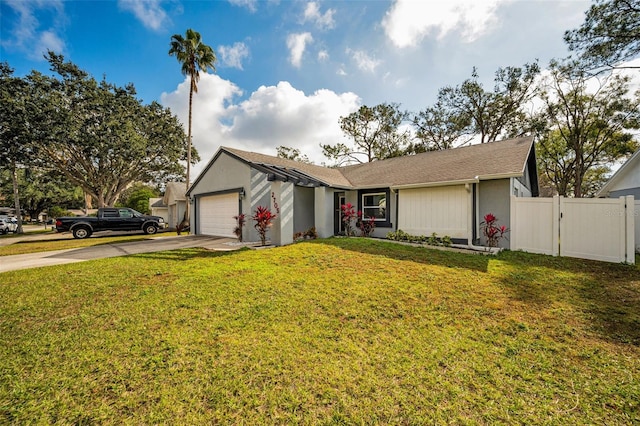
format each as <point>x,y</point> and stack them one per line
<point>36,246</point>
<point>338,331</point>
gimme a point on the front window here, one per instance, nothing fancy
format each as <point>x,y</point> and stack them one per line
<point>375,205</point>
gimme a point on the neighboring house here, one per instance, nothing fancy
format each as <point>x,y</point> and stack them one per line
<point>176,202</point>
<point>447,192</point>
<point>625,181</point>
<point>159,208</point>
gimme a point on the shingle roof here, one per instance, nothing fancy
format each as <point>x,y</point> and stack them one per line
<point>490,160</point>
<point>159,203</point>
<point>326,175</point>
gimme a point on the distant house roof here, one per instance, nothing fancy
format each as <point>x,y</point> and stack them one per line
<point>621,179</point>
<point>175,191</point>
<point>158,203</point>
<point>492,160</point>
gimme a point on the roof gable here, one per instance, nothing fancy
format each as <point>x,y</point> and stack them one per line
<point>626,177</point>
<point>175,191</point>
<point>325,175</point>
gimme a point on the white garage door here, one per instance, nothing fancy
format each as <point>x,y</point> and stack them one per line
<point>215,214</point>
<point>442,210</point>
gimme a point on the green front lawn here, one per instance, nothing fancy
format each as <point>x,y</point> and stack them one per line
<point>338,331</point>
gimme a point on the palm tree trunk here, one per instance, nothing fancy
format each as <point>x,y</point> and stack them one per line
<point>187,207</point>
<point>16,196</point>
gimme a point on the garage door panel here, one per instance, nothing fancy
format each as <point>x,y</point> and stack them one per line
<point>215,214</point>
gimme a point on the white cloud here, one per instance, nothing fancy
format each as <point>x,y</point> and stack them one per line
<point>49,40</point>
<point>271,116</point>
<point>232,56</point>
<point>249,4</point>
<point>28,35</point>
<point>312,14</point>
<point>297,44</point>
<point>149,12</point>
<point>363,60</point>
<point>323,55</point>
<point>409,21</point>
<point>341,72</point>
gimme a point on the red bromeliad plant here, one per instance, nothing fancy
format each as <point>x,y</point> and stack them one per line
<point>366,225</point>
<point>263,217</point>
<point>491,231</point>
<point>348,215</point>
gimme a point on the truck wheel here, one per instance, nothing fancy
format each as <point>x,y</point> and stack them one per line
<point>81,232</point>
<point>150,229</point>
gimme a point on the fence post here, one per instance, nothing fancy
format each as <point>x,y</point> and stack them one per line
<point>513,244</point>
<point>630,234</point>
<point>557,200</point>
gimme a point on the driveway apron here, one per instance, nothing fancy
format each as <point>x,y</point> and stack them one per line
<point>60,257</point>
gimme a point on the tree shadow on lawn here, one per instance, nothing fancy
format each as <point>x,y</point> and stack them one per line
<point>185,254</point>
<point>607,293</point>
<point>421,254</point>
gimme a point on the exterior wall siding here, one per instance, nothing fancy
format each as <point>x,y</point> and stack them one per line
<point>303,208</point>
<point>495,198</point>
<point>624,192</point>
<point>443,210</point>
<point>224,174</point>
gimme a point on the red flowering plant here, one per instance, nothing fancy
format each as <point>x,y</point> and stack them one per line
<point>366,225</point>
<point>348,216</point>
<point>263,217</point>
<point>492,232</point>
<point>240,221</point>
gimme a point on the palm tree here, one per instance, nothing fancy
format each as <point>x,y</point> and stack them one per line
<point>194,56</point>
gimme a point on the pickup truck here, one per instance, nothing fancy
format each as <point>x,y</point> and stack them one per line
<point>110,219</point>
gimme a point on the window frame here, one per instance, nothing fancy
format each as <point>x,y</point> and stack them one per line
<point>380,223</point>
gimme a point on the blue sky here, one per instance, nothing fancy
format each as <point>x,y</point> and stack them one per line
<point>287,70</point>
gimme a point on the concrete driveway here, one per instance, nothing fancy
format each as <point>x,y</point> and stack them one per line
<point>154,244</point>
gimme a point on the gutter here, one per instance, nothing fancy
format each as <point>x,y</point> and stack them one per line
<point>434,184</point>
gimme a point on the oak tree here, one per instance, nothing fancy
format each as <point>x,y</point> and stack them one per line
<point>376,134</point>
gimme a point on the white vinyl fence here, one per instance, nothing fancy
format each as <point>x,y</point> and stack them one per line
<point>636,216</point>
<point>588,228</point>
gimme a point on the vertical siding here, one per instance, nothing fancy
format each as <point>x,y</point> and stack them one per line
<point>443,210</point>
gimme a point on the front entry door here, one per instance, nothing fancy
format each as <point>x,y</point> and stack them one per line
<point>338,200</point>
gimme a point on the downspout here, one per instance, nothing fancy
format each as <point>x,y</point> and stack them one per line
<point>397,192</point>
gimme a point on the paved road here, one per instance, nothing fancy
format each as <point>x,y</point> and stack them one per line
<point>25,261</point>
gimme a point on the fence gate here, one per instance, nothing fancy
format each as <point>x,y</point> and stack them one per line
<point>588,228</point>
